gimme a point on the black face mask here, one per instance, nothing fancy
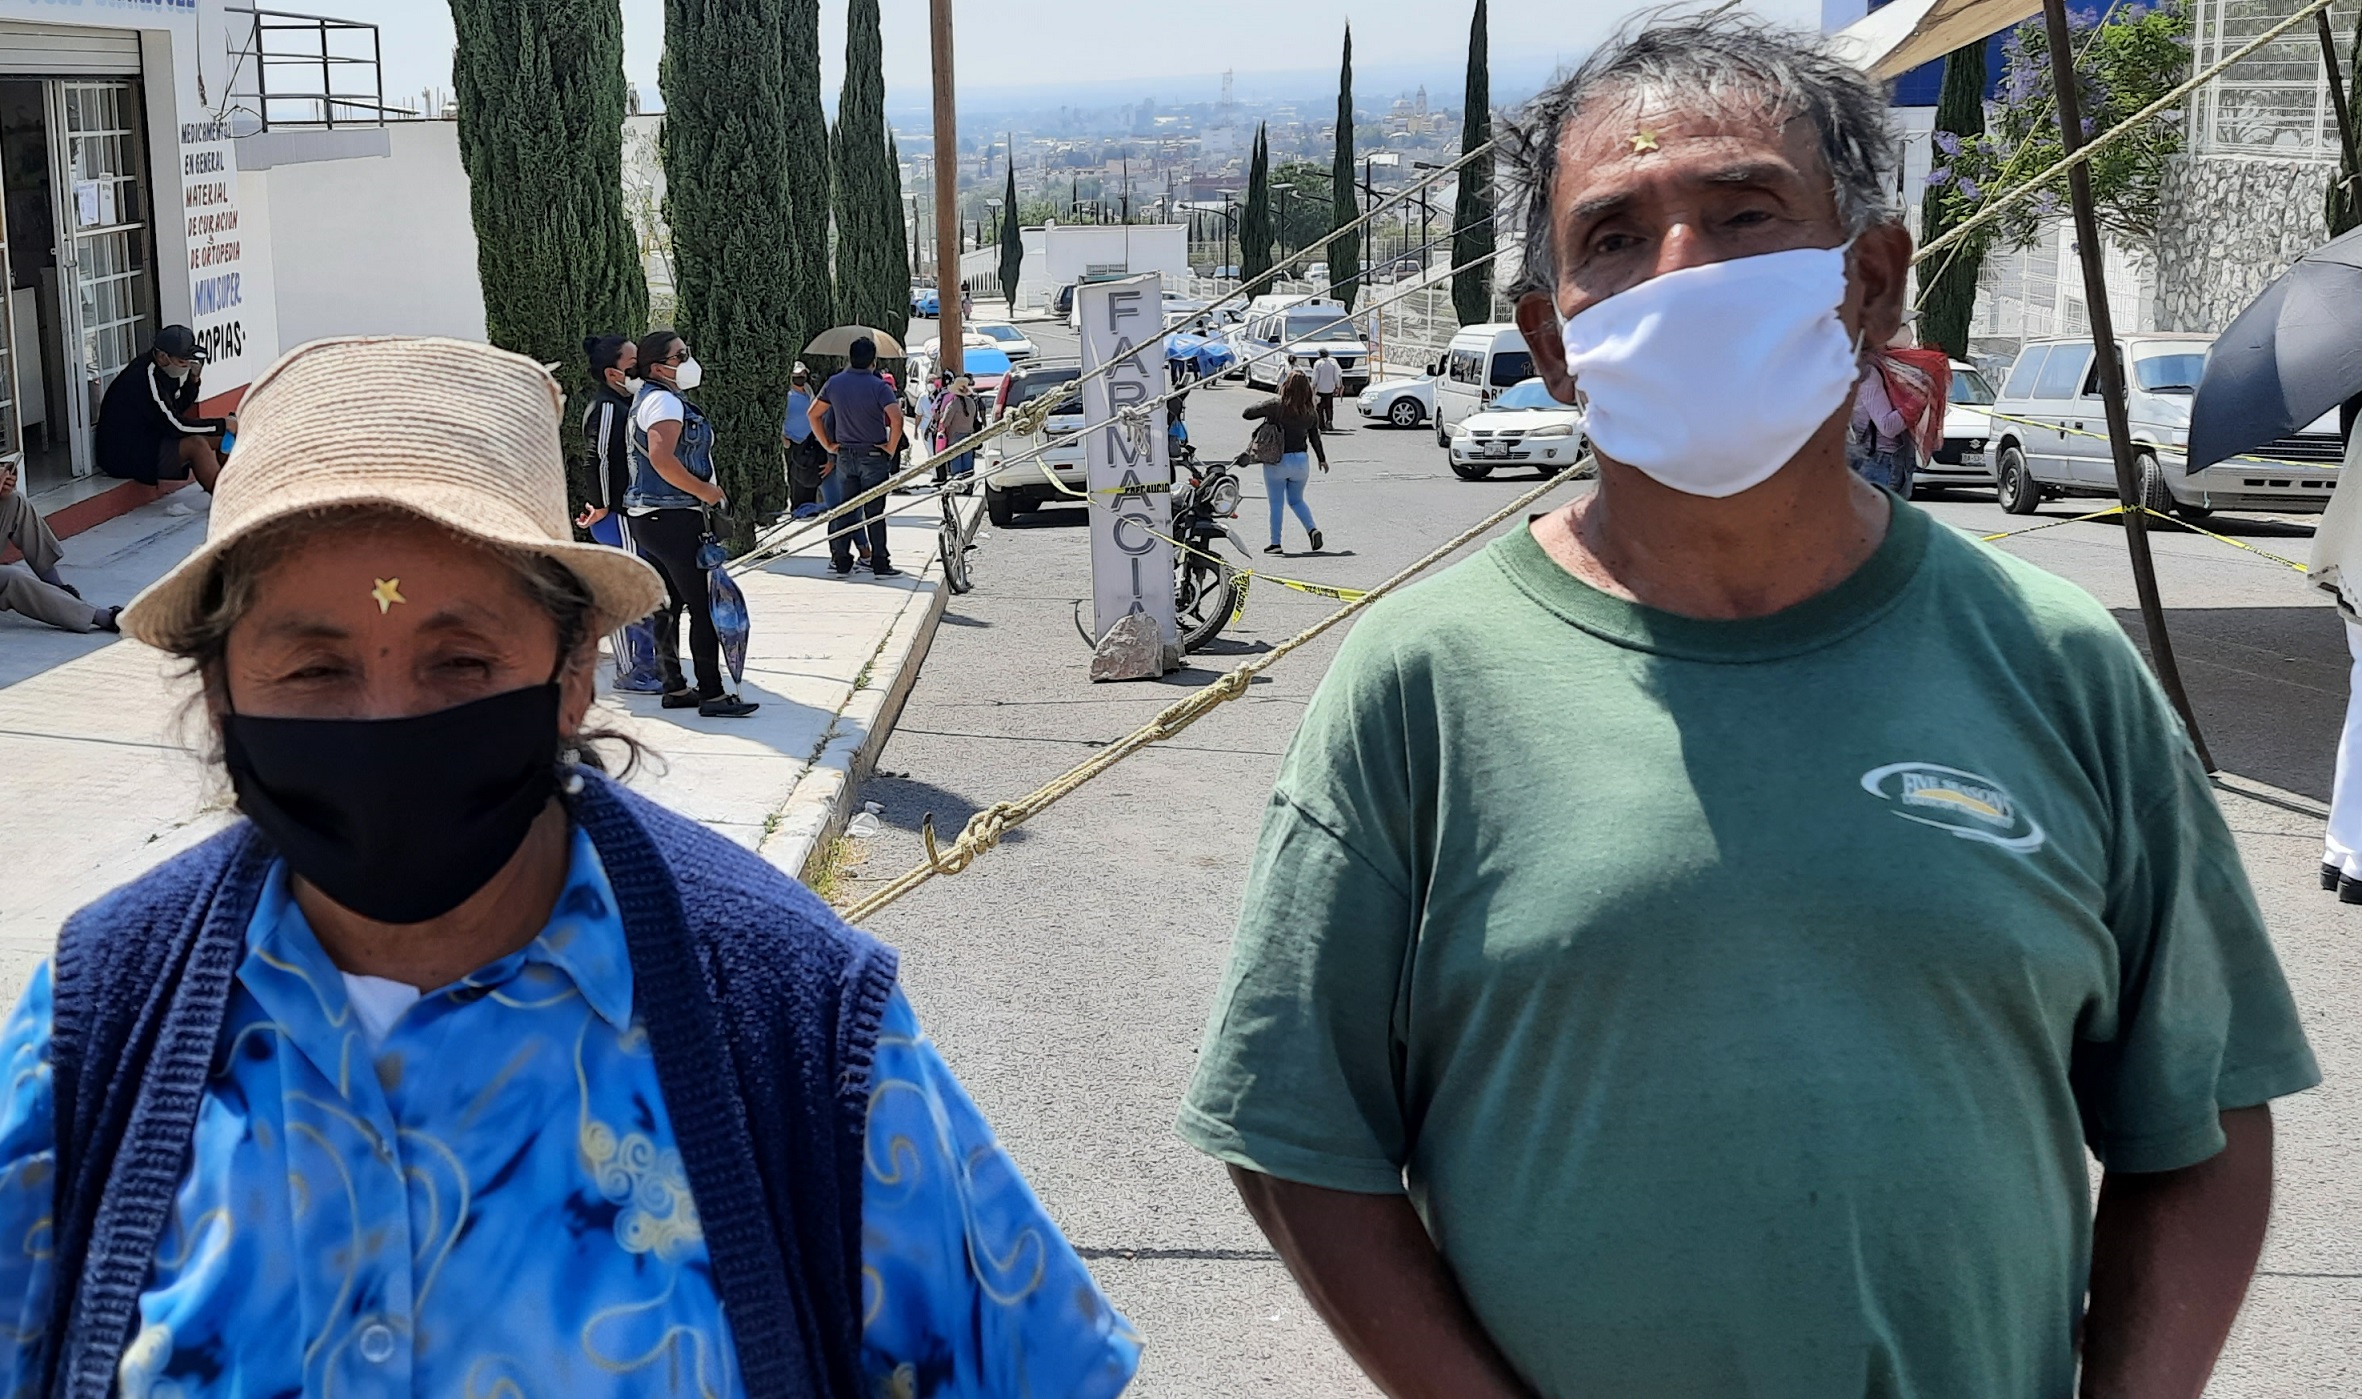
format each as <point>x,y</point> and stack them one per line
<point>399,820</point>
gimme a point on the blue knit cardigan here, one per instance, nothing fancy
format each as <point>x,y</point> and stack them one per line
<point>762,1011</point>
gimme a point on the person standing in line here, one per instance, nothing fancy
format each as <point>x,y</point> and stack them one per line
<point>1603,1018</point>
<point>2337,570</point>
<point>672,489</point>
<point>1298,422</point>
<point>1327,378</point>
<point>148,429</point>
<point>34,588</point>
<point>859,418</point>
<point>805,460</point>
<point>958,414</point>
<point>606,436</point>
<point>1878,442</point>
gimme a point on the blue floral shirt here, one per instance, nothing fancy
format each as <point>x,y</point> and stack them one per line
<point>487,1200</point>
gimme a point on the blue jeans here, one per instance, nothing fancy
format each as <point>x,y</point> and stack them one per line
<point>860,469</point>
<point>1283,481</point>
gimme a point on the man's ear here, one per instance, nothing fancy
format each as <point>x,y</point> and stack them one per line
<point>1537,319</point>
<point>1882,276</point>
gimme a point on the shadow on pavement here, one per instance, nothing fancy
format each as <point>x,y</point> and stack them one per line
<point>2268,684</point>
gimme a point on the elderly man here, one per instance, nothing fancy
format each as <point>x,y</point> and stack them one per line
<point>33,588</point>
<point>1693,944</point>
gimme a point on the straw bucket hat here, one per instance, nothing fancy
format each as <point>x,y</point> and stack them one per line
<point>450,430</point>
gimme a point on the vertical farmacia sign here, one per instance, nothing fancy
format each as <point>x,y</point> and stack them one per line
<point>1124,454</point>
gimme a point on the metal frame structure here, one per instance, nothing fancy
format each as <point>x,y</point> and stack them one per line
<point>291,102</point>
<point>2279,102</point>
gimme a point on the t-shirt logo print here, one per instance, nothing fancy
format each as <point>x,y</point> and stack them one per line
<point>1969,806</point>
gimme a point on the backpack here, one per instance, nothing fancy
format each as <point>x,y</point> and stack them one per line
<point>1270,441</point>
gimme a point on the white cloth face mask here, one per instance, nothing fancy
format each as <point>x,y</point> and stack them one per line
<point>688,374</point>
<point>1710,378</point>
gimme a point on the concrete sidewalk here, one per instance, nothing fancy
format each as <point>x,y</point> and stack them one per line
<point>101,775</point>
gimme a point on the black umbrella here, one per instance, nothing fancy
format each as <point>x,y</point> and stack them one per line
<point>2292,355</point>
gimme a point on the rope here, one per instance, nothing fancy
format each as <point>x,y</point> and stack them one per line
<point>2083,153</point>
<point>2174,520</point>
<point>1029,418</point>
<point>988,827</point>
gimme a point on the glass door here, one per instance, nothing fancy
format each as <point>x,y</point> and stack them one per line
<point>102,172</point>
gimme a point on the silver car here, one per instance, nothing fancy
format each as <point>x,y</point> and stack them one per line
<point>2050,435</point>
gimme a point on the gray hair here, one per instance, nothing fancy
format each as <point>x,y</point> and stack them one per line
<point>1707,61</point>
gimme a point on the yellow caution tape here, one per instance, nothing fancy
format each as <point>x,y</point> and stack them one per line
<point>2066,431</point>
<point>2180,523</point>
<point>2054,524</point>
<point>2174,520</point>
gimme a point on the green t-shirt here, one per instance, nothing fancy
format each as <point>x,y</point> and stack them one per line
<point>1735,999</point>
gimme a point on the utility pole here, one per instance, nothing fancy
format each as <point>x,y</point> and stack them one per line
<point>947,189</point>
<point>2109,363</point>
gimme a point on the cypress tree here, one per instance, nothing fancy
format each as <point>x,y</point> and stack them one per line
<point>1344,207</point>
<point>725,148</point>
<point>1948,297</point>
<point>1472,206</point>
<point>1012,237</point>
<point>541,106</point>
<point>895,276</point>
<point>872,281</point>
<point>1254,221</point>
<point>808,189</point>
<point>2342,210</point>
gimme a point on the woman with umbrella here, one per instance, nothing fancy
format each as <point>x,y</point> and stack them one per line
<point>454,1067</point>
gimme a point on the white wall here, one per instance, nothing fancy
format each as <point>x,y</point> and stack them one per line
<point>375,246</point>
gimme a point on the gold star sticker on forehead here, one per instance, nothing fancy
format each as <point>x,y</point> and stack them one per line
<point>387,592</point>
<point>1643,141</point>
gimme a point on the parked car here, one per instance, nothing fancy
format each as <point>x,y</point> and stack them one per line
<point>1966,458</point>
<point>1523,426</point>
<point>1289,332</point>
<point>1010,339</point>
<point>1480,363</point>
<point>1402,402</point>
<point>2050,435</point>
<point>1402,269</point>
<point>1062,301</point>
<point>1024,483</point>
<point>926,302</point>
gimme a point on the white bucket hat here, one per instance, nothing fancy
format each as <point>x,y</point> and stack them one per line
<point>453,431</point>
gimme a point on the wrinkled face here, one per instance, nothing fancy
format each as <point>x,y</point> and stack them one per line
<point>384,618</point>
<point>1644,188</point>
<point>7,479</point>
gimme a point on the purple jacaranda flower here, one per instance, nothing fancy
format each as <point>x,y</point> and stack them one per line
<point>1939,175</point>
<point>1948,142</point>
<point>1969,189</point>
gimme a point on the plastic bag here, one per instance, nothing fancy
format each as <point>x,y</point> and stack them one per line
<point>729,611</point>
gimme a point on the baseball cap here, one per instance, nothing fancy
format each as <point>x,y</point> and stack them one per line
<point>180,342</point>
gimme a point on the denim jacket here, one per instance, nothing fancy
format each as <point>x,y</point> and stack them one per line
<point>649,491</point>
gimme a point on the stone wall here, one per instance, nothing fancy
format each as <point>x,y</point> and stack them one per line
<point>2228,226</point>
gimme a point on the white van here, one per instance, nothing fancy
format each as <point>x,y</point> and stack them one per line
<point>2050,435</point>
<point>1481,361</point>
<point>1289,332</point>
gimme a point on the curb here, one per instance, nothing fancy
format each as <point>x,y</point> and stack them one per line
<point>821,802</point>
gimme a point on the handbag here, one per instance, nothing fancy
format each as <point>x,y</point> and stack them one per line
<point>711,554</point>
<point>1269,443</point>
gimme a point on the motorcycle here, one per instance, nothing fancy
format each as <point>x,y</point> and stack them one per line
<point>1205,585</point>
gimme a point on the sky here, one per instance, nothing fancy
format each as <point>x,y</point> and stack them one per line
<point>1097,49</point>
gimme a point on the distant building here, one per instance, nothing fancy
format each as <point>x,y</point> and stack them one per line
<point>2245,199</point>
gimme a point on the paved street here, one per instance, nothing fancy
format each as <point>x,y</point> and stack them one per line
<point>1067,975</point>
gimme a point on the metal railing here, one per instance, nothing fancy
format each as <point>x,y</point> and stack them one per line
<point>310,72</point>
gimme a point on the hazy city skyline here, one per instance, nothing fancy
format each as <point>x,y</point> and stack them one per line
<point>1008,55</point>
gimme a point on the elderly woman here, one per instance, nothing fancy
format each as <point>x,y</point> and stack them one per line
<point>455,1068</point>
